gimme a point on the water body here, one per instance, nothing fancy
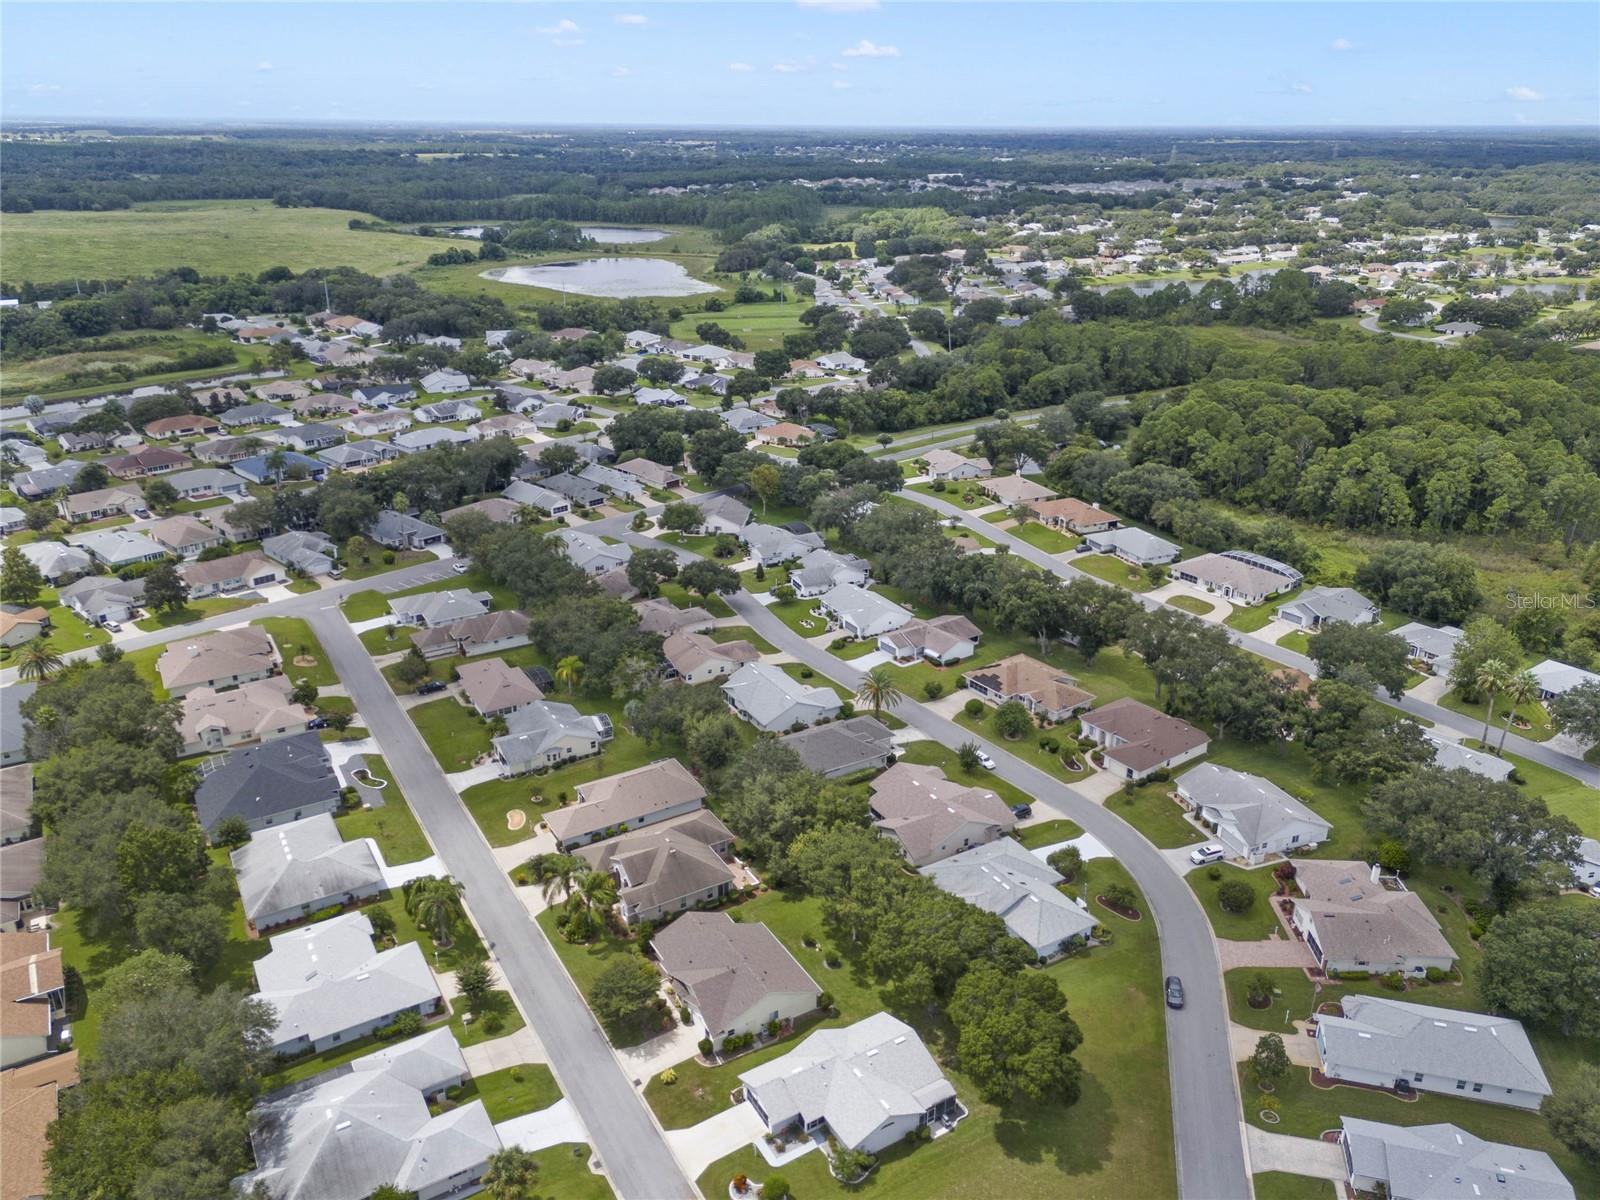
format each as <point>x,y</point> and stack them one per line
<point>615,278</point>
<point>618,236</point>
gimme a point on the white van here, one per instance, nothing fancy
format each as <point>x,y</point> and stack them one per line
<point>1209,853</point>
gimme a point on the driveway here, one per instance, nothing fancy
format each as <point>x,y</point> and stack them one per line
<point>1267,952</point>
<point>1088,847</point>
<point>1302,1051</point>
<point>553,1126</point>
<point>1430,689</point>
<point>648,1059</point>
<point>1277,628</point>
<point>510,1051</point>
<point>1295,1155</point>
<point>1220,608</point>
<point>716,1137</point>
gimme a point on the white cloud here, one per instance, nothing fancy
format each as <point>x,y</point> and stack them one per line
<point>788,68</point>
<point>263,65</point>
<point>1305,89</point>
<point>621,72</point>
<point>839,6</point>
<point>1342,44</point>
<point>841,84</point>
<point>866,49</point>
<point>740,67</point>
<point>632,19</point>
<point>1523,94</point>
<point>561,28</point>
<point>43,89</point>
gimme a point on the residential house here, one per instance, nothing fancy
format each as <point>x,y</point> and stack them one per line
<point>181,426</point>
<point>820,571</point>
<point>772,544</point>
<point>650,473</point>
<point>219,576</point>
<point>71,443</point>
<point>766,697</point>
<point>399,531</point>
<point>100,600</point>
<point>524,494</point>
<point>288,873</point>
<point>578,379</point>
<point>933,818</point>
<point>1433,649</point>
<point>266,468</point>
<point>580,492</point>
<point>185,536</point>
<point>658,397</point>
<point>1074,516</point>
<point>942,640</point>
<point>839,361</point>
<point>488,633</point>
<point>592,555</point>
<point>219,397</point>
<point>257,711</point>
<point>1380,1042</point>
<point>865,1085</point>
<point>747,420</point>
<point>385,395</point>
<point>310,436</point>
<point>547,733</point>
<point>1463,329</point>
<point>224,450</point>
<point>641,339</point>
<point>713,356</point>
<point>1558,678</point>
<point>12,520</point>
<point>286,779</point>
<point>13,725</point>
<point>953,467</point>
<point>1586,870</point>
<point>370,1126</point>
<point>1431,1162</point>
<point>1238,575</point>
<point>444,380</point>
<point>33,998</point>
<point>56,561</point>
<point>735,976</point>
<point>255,414</point>
<point>21,872</point>
<point>443,411</point>
<point>784,433</point>
<point>1047,692</point>
<point>1253,817</point>
<point>306,551</point>
<point>376,424</point>
<point>507,425</point>
<point>493,687</point>
<point>724,514</point>
<point>117,548</point>
<point>667,867</point>
<point>608,479</point>
<point>1132,546</point>
<point>1015,489</point>
<point>223,659</point>
<point>282,391</point>
<point>205,482</point>
<point>30,1102</point>
<point>842,748</point>
<point>427,437</point>
<point>645,796</point>
<point>1353,919</point>
<point>39,483</point>
<point>1137,741</point>
<point>696,658</point>
<point>1003,878</point>
<point>358,455</point>
<point>327,986</point>
<point>657,615</point>
<point>1453,756</point>
<point>150,460</point>
<point>16,802</point>
<point>119,500</point>
<point>496,508</point>
<point>1320,606</point>
<point>859,613</point>
<point>22,625</point>
<point>430,609</point>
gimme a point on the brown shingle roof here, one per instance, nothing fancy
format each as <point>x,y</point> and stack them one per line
<point>1020,675</point>
<point>29,1099</point>
<point>1149,737</point>
<point>727,967</point>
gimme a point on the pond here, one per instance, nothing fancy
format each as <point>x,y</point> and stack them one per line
<point>617,278</point>
<point>616,235</point>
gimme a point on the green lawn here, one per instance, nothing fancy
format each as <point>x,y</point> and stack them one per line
<point>761,326</point>
<point>1564,794</point>
<point>456,735</point>
<point>296,641</point>
<point>1027,746</point>
<point>585,963</point>
<point>1048,833</point>
<point>195,610</point>
<point>1114,570</point>
<point>387,639</point>
<point>1280,1185</point>
<point>696,543</point>
<point>91,957</point>
<point>369,602</point>
<point>1298,641</point>
<point>742,633</point>
<point>69,631</point>
<point>1189,604</point>
<point>1248,620</point>
<point>1256,922</point>
<point>149,354</point>
<point>715,605</point>
<point>962,495</point>
<point>393,826</point>
<point>500,1017</point>
<point>1049,540</point>
<point>1538,728</point>
<point>1153,812</point>
<point>510,1092</point>
<point>796,614</point>
<point>932,754</point>
<point>564,1174</point>
<point>377,566</point>
<point>803,674</point>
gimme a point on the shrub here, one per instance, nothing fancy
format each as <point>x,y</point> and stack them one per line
<point>406,1024</point>
<point>1437,975</point>
<point>1213,873</point>
<point>741,1184</point>
<point>1394,981</point>
<point>775,1187</point>
<point>1269,1103</point>
<point>388,557</point>
<point>824,1000</point>
<point>972,707</point>
<point>783,592</point>
<point>1235,896</point>
<point>1120,895</point>
<point>668,1077</point>
<point>1394,857</point>
<point>706,1047</point>
<point>806,672</point>
<point>937,485</point>
<point>831,961</point>
<point>838,643</point>
<point>1475,931</point>
<point>1258,988</point>
<point>933,689</point>
<point>809,940</point>
<point>1066,862</point>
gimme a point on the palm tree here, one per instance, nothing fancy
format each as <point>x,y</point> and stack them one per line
<point>569,671</point>
<point>558,872</point>
<point>277,459</point>
<point>434,904</point>
<point>596,891</point>
<point>38,659</point>
<point>1518,689</point>
<point>1491,677</point>
<point>878,689</point>
<point>511,1174</point>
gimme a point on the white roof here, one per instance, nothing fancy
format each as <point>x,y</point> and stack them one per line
<point>1557,678</point>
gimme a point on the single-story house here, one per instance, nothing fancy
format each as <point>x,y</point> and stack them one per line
<point>398,531</point>
<point>580,491</point>
<point>1136,740</point>
<point>376,424</point>
<point>487,633</point>
<point>286,779</point>
<point>308,437</point>
<point>842,748</point>
<point>735,976</point>
<point>327,986</point>
<point>39,483</point>
<point>1003,878</point>
<point>444,380</point>
<point>181,426</point>
<point>443,411</point>
<point>427,437</point>
<point>608,479</point>
<point>531,495</point>
<point>554,416</point>
<point>658,397</point>
<point>33,996</point>
<point>667,867</point>
<point>493,687</point>
<point>1353,919</point>
<point>118,548</point>
<point>217,660</point>
<point>839,361</point>
<point>1559,678</point>
<point>251,569</point>
<point>1433,648</point>
<point>943,640</point>
<point>696,658</point>
<point>118,500</point>
<point>23,625</point>
<point>1253,817</point>
<point>1319,606</point>
<point>1074,516</point>
<point>590,554</point>
<point>13,725</point>
<point>770,544</point>
<point>1415,1162</point>
<point>860,613</point>
<point>1451,756</point>
<point>223,450</point>
<point>149,460</point>
<point>255,414</point>
<point>658,615</point>
<point>747,420</point>
<point>1475,1056</point>
<point>185,536</point>
<point>546,733</point>
<point>656,792</point>
<point>257,711</point>
<point>56,561</point>
<point>302,550</point>
<point>953,467</point>
<point>1238,575</point>
<point>12,519</point>
<point>497,508</point>
<point>1047,692</point>
<point>204,482</point>
<point>1132,546</point>
<point>784,433</point>
<point>650,473</point>
<point>430,609</point>
<point>303,867</point>
<point>264,468</point>
<point>640,339</point>
<point>724,514</point>
<point>1015,489</point>
<point>823,570</point>
<point>766,697</point>
<point>933,818</point>
<point>507,425</point>
<point>385,395</point>
<point>866,1085</point>
<point>98,599</point>
<point>21,871</point>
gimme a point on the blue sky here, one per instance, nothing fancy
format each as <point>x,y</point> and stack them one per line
<point>810,63</point>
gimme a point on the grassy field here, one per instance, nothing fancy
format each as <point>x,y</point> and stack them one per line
<point>1189,604</point>
<point>1256,922</point>
<point>393,826</point>
<point>219,237</point>
<point>455,734</point>
<point>150,355</point>
<point>510,1092</point>
<point>296,641</point>
<point>1113,570</point>
<point>1152,811</point>
<point>759,326</point>
<point>1048,833</point>
<point>195,610</point>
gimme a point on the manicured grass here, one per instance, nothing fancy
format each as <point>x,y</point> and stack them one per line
<point>1256,922</point>
<point>761,326</point>
<point>393,827</point>
<point>1297,641</point>
<point>742,633</point>
<point>696,543</point>
<point>1189,604</point>
<point>510,1092</point>
<point>387,639</point>
<point>301,587</point>
<point>1027,746</point>
<point>585,964</point>
<point>195,610</point>
<point>69,631</point>
<point>1113,570</point>
<point>801,673</point>
<point>771,578</point>
<point>1248,620</point>
<point>962,496</point>
<point>369,603</point>
<point>1280,1185</point>
<point>444,668</point>
<point>1049,540</point>
<point>1048,833</point>
<point>500,1017</point>
<point>377,566</point>
<point>456,735</point>
<point>216,237</point>
<point>1565,795</point>
<point>857,649</point>
<point>796,614</point>
<point>564,1173</point>
<point>1152,811</point>
<point>295,640</point>
<point>91,957</point>
<point>1539,727</point>
<point>715,605</point>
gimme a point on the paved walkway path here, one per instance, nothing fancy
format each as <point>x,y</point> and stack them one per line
<point>1296,1155</point>
<point>1268,952</point>
<point>697,1147</point>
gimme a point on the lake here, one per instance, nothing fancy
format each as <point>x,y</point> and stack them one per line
<point>618,236</point>
<point>617,278</point>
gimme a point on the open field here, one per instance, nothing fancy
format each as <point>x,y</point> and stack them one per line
<point>145,353</point>
<point>218,237</point>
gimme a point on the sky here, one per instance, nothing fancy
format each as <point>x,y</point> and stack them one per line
<point>807,63</point>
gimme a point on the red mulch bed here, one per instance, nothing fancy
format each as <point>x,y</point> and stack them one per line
<point>1319,1080</point>
<point>1127,914</point>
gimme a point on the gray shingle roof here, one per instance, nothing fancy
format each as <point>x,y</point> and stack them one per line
<point>1445,1162</point>
<point>856,743</point>
<point>767,695</point>
<point>263,781</point>
<point>1001,877</point>
<point>535,728</point>
<point>303,862</point>
<point>1258,807</point>
<point>626,796</point>
<point>1332,604</point>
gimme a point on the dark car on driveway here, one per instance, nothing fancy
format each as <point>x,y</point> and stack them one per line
<point>1174,992</point>
<point>432,686</point>
<point>1022,811</point>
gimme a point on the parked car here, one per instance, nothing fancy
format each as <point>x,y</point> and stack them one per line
<point>460,566</point>
<point>985,761</point>
<point>430,687</point>
<point>1174,992</point>
<point>1209,853</point>
<point>1022,811</point>
<point>317,723</point>
<point>111,626</point>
